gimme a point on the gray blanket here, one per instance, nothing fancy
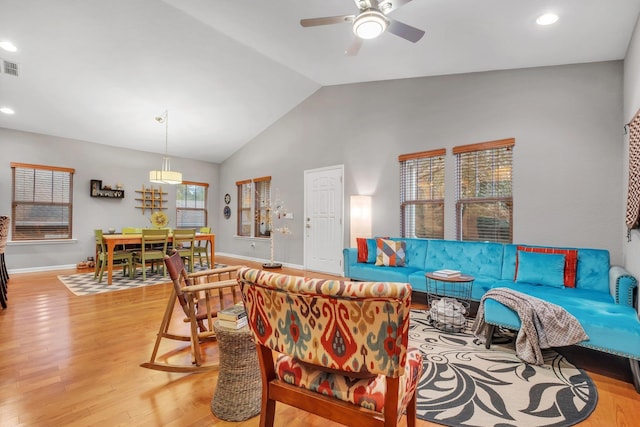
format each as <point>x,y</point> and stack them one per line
<point>544,325</point>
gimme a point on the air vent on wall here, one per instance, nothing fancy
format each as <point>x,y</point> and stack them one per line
<point>10,68</point>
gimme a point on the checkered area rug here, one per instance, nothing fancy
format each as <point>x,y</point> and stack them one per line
<point>84,284</point>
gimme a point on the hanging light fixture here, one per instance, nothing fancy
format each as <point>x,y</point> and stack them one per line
<point>166,175</point>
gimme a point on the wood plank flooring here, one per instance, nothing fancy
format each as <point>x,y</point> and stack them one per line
<point>74,361</point>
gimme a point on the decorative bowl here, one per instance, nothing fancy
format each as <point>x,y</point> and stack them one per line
<point>111,230</point>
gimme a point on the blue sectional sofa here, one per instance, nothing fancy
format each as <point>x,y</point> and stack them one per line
<point>602,300</point>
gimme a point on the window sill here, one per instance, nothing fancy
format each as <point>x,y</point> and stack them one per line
<point>41,242</point>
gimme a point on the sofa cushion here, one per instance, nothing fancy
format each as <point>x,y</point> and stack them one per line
<point>540,268</point>
<point>570,262</point>
<point>390,253</point>
<point>473,258</point>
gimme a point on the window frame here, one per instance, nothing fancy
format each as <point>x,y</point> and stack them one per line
<point>501,179</point>
<point>205,189</point>
<point>410,195</point>
<point>65,200</point>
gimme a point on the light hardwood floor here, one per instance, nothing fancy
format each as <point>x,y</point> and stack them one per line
<point>74,361</point>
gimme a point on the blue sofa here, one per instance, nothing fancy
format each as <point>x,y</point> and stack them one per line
<point>602,299</point>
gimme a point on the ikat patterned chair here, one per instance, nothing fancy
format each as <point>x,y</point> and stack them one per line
<point>334,348</point>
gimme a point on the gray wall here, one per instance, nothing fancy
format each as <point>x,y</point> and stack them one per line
<point>567,122</point>
<point>91,161</point>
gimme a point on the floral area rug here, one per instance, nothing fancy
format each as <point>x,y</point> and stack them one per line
<point>84,284</point>
<point>464,384</point>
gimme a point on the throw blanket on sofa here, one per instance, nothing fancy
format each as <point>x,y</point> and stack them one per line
<point>544,325</point>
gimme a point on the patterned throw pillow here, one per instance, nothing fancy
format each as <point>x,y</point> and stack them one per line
<point>391,253</point>
<point>570,262</point>
<point>366,250</point>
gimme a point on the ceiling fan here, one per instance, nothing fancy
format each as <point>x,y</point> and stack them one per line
<point>370,22</point>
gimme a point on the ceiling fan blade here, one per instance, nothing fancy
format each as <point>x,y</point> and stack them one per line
<point>405,31</point>
<point>313,22</point>
<point>354,48</point>
<point>387,6</point>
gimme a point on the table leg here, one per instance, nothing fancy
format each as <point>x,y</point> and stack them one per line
<point>111,244</point>
<point>212,242</point>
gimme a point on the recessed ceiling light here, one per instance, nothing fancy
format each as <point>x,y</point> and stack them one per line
<point>547,19</point>
<point>7,110</point>
<point>8,46</point>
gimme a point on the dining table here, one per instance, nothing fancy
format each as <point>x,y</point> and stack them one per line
<point>113,240</point>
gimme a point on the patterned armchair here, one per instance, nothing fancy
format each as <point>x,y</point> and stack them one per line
<point>340,347</point>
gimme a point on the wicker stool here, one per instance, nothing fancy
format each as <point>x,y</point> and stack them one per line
<point>238,394</point>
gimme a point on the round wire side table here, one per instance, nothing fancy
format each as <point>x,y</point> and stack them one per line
<point>448,299</point>
<point>238,393</point>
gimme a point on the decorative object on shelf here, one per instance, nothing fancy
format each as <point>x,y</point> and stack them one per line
<point>159,219</point>
<point>227,198</point>
<point>227,212</point>
<point>98,190</point>
<point>151,199</point>
<point>278,211</point>
<point>165,175</point>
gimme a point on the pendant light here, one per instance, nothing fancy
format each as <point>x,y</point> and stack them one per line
<point>165,175</point>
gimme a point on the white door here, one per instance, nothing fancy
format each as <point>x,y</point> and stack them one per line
<point>324,229</point>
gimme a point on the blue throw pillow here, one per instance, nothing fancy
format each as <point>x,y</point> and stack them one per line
<point>541,269</point>
<point>371,251</point>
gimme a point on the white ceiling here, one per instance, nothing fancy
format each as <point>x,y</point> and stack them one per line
<point>101,71</point>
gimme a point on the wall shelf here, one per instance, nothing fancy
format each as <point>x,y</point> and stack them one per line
<point>97,190</point>
<point>151,199</point>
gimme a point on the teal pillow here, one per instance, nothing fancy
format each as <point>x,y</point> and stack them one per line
<point>371,251</point>
<point>541,269</point>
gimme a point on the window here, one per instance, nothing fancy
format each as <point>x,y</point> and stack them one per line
<point>254,207</point>
<point>422,194</point>
<point>484,201</point>
<point>262,225</point>
<point>191,204</point>
<point>42,206</point>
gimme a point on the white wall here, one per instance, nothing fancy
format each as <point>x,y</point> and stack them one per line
<point>567,122</point>
<point>631,107</point>
<point>91,161</point>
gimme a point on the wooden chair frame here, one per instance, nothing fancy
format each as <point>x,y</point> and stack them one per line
<point>196,294</point>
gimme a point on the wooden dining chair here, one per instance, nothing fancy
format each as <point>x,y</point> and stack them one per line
<point>119,257</point>
<point>201,295</point>
<point>153,248</point>
<point>183,241</point>
<point>131,247</point>
<point>202,247</point>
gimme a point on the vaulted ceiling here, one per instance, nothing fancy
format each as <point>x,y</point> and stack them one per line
<point>225,70</point>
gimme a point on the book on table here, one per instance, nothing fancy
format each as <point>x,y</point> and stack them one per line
<point>446,273</point>
<point>232,313</point>
<point>233,324</point>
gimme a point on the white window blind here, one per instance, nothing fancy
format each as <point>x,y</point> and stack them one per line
<point>262,224</point>
<point>42,202</point>
<point>244,207</point>
<point>422,194</point>
<point>191,205</point>
<point>484,201</point>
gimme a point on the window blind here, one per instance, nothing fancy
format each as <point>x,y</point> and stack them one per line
<point>484,201</point>
<point>422,194</point>
<point>262,226</point>
<point>42,202</point>
<point>244,208</point>
<point>191,205</point>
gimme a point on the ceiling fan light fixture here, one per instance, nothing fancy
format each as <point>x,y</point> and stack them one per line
<point>370,24</point>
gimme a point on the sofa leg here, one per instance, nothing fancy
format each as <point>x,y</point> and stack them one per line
<point>489,336</point>
<point>635,373</point>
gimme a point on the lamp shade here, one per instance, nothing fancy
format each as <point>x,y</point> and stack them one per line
<point>165,177</point>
